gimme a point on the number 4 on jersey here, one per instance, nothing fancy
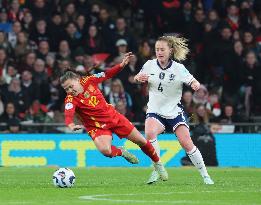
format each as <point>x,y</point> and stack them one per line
<point>160,88</point>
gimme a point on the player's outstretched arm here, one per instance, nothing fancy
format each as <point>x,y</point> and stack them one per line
<point>114,70</point>
<point>195,85</point>
<point>126,59</point>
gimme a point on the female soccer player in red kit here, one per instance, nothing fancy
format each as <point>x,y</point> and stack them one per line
<point>100,118</point>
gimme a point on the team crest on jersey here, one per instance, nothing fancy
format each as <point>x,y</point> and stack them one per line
<point>68,106</point>
<point>91,88</point>
<point>161,75</point>
<point>86,94</point>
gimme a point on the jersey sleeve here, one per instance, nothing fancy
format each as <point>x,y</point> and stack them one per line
<point>69,110</point>
<point>100,77</point>
<point>186,77</point>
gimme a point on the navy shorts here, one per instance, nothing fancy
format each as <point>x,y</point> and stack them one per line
<point>170,125</point>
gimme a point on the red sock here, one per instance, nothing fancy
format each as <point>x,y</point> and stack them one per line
<point>149,150</point>
<point>115,151</point>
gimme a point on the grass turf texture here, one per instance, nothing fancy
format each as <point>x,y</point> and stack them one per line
<point>127,186</point>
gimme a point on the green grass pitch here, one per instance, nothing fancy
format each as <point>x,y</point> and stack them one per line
<point>115,186</point>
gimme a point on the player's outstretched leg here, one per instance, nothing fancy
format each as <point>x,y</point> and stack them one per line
<point>121,151</point>
<point>197,159</point>
<point>103,144</point>
<point>131,158</point>
<point>194,154</point>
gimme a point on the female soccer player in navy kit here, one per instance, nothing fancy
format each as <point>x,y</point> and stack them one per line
<point>100,118</point>
<point>165,79</point>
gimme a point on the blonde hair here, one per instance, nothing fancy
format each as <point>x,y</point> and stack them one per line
<point>195,116</point>
<point>118,82</point>
<point>179,46</point>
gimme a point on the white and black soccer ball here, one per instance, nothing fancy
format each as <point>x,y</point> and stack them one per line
<point>63,178</point>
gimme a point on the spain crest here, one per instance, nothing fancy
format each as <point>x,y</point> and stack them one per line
<point>86,94</point>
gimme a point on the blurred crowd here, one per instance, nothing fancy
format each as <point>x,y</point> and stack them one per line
<point>39,39</point>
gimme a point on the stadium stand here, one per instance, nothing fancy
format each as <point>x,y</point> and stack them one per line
<point>39,39</point>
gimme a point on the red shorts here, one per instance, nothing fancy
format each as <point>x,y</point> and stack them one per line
<point>119,125</point>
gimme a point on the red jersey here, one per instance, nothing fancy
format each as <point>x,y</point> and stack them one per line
<point>91,106</point>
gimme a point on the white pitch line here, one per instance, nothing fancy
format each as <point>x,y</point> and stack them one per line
<point>98,197</point>
<point>94,198</point>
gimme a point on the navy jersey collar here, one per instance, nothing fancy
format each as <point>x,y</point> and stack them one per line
<point>168,66</point>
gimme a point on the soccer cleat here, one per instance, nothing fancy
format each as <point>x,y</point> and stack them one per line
<point>154,177</point>
<point>163,174</point>
<point>208,180</point>
<point>128,156</point>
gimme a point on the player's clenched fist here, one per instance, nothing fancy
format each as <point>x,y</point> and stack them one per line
<point>195,85</point>
<point>141,77</point>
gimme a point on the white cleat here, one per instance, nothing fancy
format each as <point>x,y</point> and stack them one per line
<point>154,177</point>
<point>162,172</point>
<point>131,158</point>
<point>208,180</point>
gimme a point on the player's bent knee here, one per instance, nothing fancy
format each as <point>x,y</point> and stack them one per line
<point>150,135</point>
<point>106,152</point>
<point>186,144</point>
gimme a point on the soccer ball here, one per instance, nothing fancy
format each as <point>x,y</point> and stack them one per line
<point>63,178</point>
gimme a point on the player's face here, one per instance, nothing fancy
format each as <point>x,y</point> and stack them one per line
<point>72,87</point>
<point>163,51</point>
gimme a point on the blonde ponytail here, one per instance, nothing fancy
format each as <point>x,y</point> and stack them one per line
<point>179,46</point>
